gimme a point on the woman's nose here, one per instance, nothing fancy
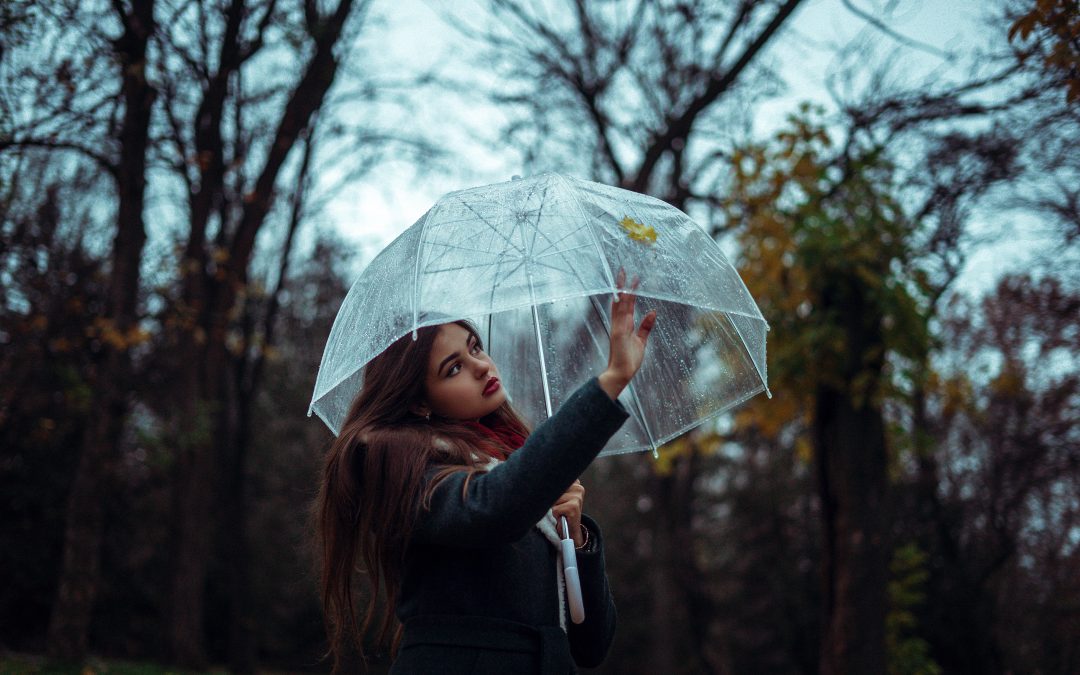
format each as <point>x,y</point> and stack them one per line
<point>481,367</point>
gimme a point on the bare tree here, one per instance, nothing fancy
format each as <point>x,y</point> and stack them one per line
<point>231,159</point>
<point>62,112</point>
<point>192,93</point>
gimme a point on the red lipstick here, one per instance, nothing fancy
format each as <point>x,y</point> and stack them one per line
<point>492,386</point>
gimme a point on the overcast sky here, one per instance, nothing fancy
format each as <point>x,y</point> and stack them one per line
<point>414,38</point>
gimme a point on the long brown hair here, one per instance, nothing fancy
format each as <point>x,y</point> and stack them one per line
<point>373,484</point>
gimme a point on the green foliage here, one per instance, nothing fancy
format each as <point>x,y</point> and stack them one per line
<point>908,653</point>
<point>825,246</point>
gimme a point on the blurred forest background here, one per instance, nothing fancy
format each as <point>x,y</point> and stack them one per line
<point>908,502</point>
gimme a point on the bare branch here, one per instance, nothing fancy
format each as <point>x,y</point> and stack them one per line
<point>719,82</point>
<point>740,20</point>
<point>50,144</point>
<point>902,39</point>
<point>256,44</point>
<point>306,99</point>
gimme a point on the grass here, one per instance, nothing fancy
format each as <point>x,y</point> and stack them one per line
<point>26,664</point>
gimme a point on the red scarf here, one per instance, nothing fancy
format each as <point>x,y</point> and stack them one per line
<point>505,438</point>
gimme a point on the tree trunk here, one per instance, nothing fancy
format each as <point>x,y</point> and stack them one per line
<point>195,491</point>
<point>849,437</point>
<point>852,480</point>
<point>694,591</point>
<point>77,589</point>
<point>666,624</point>
<point>199,480</point>
<point>243,651</point>
<point>242,390</point>
<point>681,606</point>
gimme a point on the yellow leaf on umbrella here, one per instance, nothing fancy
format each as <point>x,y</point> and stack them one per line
<point>638,231</point>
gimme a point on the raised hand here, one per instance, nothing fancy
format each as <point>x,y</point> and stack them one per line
<point>627,343</point>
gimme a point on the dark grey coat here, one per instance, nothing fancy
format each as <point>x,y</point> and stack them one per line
<point>479,592</point>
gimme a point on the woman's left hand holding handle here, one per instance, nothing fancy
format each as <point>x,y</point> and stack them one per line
<point>570,505</point>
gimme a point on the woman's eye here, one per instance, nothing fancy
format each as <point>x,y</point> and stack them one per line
<point>453,370</point>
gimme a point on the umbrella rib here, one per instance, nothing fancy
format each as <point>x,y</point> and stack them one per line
<point>498,282</point>
<point>528,247</point>
<point>465,248</point>
<point>552,244</point>
<point>460,267</point>
<point>536,224</point>
<point>533,261</point>
<point>416,274</point>
<point>592,235</point>
<point>548,253</point>
<point>469,219</point>
<point>746,349</point>
<point>446,245</point>
<point>532,302</point>
<point>499,260</point>
<point>521,261</point>
<point>498,278</point>
<point>572,270</point>
<point>539,344</point>
<point>493,228</point>
<point>563,250</point>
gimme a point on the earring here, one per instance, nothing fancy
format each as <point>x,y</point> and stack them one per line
<point>427,417</point>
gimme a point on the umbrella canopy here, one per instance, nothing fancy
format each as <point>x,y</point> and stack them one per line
<point>533,263</point>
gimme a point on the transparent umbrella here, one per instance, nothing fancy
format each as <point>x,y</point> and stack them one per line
<point>533,262</point>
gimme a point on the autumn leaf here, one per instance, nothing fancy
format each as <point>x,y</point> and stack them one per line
<point>638,231</point>
<point>1023,26</point>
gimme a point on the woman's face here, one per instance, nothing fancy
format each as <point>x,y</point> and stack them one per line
<point>459,376</point>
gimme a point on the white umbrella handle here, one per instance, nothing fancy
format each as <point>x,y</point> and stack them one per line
<point>573,582</point>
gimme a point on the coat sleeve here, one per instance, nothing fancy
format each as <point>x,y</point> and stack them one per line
<point>503,504</point>
<point>591,639</point>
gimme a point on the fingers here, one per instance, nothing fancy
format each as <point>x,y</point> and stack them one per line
<point>620,309</point>
<point>567,509</point>
<point>622,313</point>
<point>570,506</point>
<point>647,325</point>
<point>576,490</point>
<point>631,299</point>
<point>620,279</point>
<point>574,496</point>
<point>571,511</point>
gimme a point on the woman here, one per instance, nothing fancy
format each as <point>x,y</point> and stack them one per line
<point>427,490</point>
